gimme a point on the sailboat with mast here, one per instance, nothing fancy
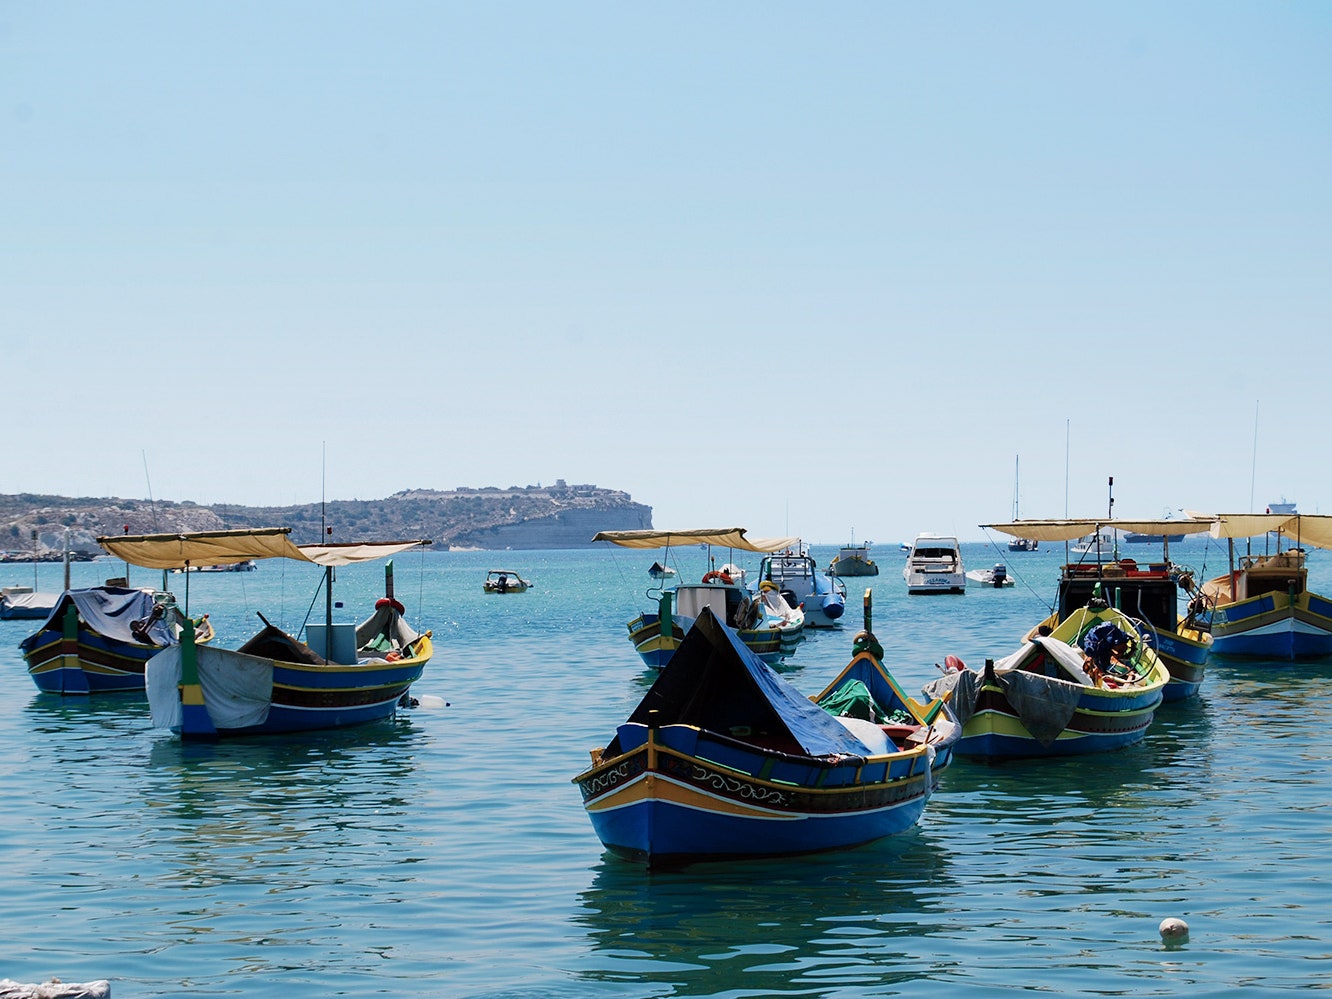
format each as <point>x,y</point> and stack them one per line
<point>1017,544</point>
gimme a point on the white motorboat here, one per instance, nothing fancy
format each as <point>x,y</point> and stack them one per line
<point>934,565</point>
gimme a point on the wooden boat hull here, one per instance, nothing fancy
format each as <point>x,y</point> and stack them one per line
<point>1099,725</point>
<point>1184,655</point>
<point>280,697</point>
<point>682,795</point>
<point>1275,626</point>
<point>769,644</point>
<point>1149,592</point>
<point>90,663</point>
<point>1043,713</point>
<point>88,643</point>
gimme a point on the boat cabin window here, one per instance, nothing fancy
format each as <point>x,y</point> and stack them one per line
<point>1155,601</point>
<point>934,553</point>
<point>1257,583</point>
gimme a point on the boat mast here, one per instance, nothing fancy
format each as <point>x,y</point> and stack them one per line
<point>327,532</point>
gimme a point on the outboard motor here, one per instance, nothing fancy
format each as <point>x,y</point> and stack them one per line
<point>1000,574</point>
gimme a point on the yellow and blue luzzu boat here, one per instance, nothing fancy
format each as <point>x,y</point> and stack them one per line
<point>1262,607</point>
<point>99,639</point>
<point>1050,698</point>
<point>767,624</point>
<point>343,674</point>
<point>1149,592</point>
<point>724,758</point>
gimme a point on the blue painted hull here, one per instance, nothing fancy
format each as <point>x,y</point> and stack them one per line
<point>277,697</point>
<point>1185,660</point>
<point>1282,646</point>
<point>656,651</point>
<point>94,664</point>
<point>1274,626</point>
<point>664,832</point>
<point>690,797</point>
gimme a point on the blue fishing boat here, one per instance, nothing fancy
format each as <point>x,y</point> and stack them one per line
<point>1262,607</point>
<point>724,758</point>
<point>1072,691</point>
<point>768,625</point>
<point>343,674</point>
<point>865,689</point>
<point>1149,592</point>
<point>99,639</point>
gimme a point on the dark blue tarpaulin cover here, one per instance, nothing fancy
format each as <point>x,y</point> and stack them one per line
<point>109,611</point>
<point>715,682</point>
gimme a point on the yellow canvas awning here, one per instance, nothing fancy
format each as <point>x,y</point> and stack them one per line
<point>363,551</point>
<point>176,551</point>
<point>1069,530</point>
<point>722,537</point>
<point>1299,528</point>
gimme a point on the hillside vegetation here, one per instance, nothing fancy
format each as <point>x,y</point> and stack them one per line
<point>531,517</point>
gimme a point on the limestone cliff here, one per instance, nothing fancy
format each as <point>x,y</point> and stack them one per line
<point>523,517</point>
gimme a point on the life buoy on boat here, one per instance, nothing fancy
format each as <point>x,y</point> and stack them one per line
<point>717,577</point>
<point>954,664</point>
<point>383,602</point>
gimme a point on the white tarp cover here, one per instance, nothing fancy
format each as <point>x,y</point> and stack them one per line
<point>237,689</point>
<point>1069,530</point>
<point>722,537</point>
<point>161,679</point>
<point>176,551</point>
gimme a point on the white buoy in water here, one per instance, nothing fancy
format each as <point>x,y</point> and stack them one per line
<point>1174,930</point>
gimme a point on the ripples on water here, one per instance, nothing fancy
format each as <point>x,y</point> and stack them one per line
<point>447,854</point>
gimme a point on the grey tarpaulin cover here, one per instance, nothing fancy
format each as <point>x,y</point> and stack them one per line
<point>1044,705</point>
<point>109,611</point>
<point>715,682</point>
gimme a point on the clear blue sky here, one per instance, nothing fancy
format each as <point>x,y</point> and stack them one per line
<point>803,268</point>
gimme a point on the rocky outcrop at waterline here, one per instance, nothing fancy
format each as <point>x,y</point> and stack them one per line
<point>522,517</point>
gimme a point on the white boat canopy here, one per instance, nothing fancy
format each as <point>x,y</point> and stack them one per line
<point>1301,528</point>
<point>177,551</point>
<point>722,537</point>
<point>1070,530</point>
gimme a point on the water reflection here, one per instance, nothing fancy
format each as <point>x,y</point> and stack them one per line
<point>770,926</point>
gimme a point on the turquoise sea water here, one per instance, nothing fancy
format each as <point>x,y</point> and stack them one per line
<point>447,854</point>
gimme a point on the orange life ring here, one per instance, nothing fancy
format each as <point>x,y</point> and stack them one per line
<point>715,576</point>
<point>383,602</point>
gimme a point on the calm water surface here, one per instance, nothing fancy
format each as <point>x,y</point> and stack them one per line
<point>446,853</point>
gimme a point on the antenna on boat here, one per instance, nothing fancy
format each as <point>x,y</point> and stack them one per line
<point>323,487</point>
<point>1109,515</point>
<point>1253,467</point>
<point>152,505</point>
<point>1066,422</point>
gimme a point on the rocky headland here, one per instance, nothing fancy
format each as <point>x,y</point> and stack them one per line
<point>522,517</point>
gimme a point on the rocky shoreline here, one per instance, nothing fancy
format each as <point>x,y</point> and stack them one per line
<point>36,527</point>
